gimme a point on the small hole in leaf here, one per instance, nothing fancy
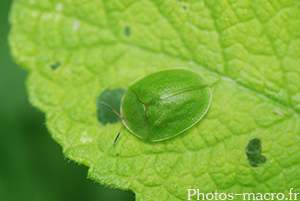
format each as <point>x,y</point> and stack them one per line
<point>127,31</point>
<point>113,98</point>
<point>253,152</point>
<point>55,65</point>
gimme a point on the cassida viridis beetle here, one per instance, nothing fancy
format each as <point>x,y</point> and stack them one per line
<point>164,104</point>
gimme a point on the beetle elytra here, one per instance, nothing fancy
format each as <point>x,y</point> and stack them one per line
<point>164,104</point>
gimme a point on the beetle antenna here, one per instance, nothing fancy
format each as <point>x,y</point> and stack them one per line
<point>109,107</point>
<point>118,135</point>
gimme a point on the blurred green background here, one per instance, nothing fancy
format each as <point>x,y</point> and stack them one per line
<point>32,166</point>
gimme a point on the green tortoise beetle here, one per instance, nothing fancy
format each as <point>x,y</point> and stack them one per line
<point>164,104</point>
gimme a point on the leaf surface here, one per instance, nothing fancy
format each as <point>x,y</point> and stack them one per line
<point>248,51</point>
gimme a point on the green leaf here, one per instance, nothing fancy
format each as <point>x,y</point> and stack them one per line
<point>248,51</point>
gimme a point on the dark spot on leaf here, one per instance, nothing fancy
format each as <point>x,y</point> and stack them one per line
<point>184,7</point>
<point>55,65</point>
<point>113,98</point>
<point>117,154</point>
<point>253,152</point>
<point>127,31</point>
